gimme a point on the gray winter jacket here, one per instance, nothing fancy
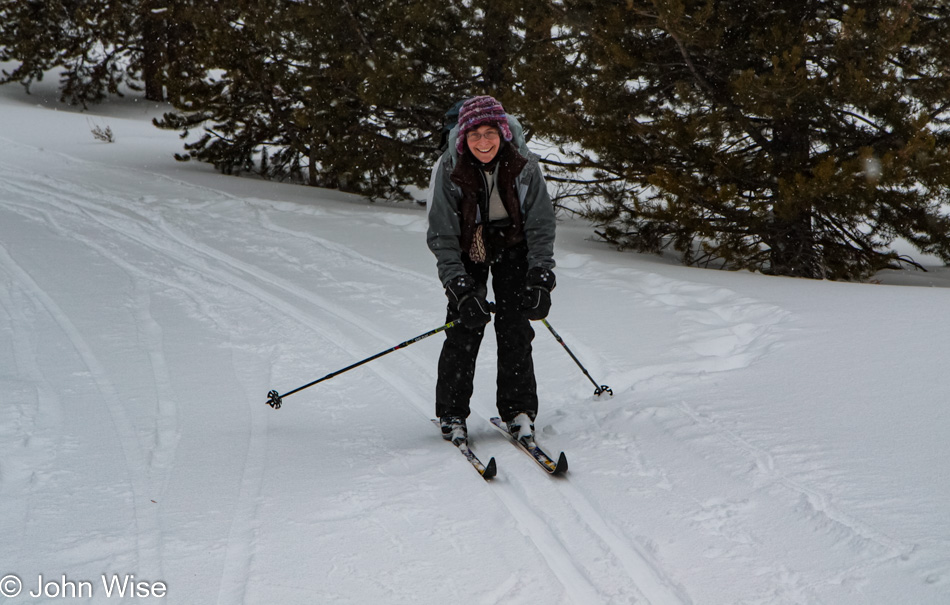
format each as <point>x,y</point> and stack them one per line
<point>445,228</point>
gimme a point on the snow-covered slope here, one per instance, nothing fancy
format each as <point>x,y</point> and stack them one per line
<point>770,440</point>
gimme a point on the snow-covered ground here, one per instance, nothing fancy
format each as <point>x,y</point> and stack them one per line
<point>770,440</point>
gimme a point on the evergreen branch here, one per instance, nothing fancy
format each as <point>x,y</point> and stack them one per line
<point>367,46</point>
<point>557,179</point>
<point>704,84</point>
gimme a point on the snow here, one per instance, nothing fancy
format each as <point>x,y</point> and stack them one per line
<point>770,440</point>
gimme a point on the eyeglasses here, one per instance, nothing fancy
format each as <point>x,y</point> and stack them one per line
<point>477,136</point>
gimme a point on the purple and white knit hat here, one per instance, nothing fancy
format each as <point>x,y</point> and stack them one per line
<point>478,111</point>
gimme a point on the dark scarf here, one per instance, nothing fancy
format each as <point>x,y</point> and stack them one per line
<point>509,164</point>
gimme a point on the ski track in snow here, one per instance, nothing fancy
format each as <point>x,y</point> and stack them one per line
<point>817,500</point>
<point>162,451</point>
<point>240,540</point>
<point>732,333</point>
<point>385,268</point>
<point>241,535</point>
<point>729,333</point>
<point>34,426</point>
<point>872,547</point>
<point>725,332</point>
<point>147,536</point>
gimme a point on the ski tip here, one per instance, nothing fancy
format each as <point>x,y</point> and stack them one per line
<point>490,469</point>
<point>561,466</point>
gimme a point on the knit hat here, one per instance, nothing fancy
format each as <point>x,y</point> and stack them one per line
<point>478,111</point>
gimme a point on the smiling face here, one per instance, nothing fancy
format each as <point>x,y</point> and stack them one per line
<point>483,142</point>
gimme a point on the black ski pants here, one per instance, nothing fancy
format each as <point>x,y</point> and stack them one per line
<point>516,386</point>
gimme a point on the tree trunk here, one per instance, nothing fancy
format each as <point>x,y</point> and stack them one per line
<point>789,233</point>
<point>154,45</point>
<point>496,40</point>
<point>312,174</point>
<point>792,246</point>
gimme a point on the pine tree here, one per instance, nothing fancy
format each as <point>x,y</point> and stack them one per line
<point>509,47</point>
<point>796,137</point>
<point>101,46</point>
<point>344,95</point>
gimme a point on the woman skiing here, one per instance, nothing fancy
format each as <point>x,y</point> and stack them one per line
<point>490,214</point>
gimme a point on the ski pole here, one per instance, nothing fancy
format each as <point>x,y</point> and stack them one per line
<point>274,399</point>
<point>598,390</point>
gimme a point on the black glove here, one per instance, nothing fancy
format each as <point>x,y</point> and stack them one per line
<point>469,298</point>
<point>536,300</point>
